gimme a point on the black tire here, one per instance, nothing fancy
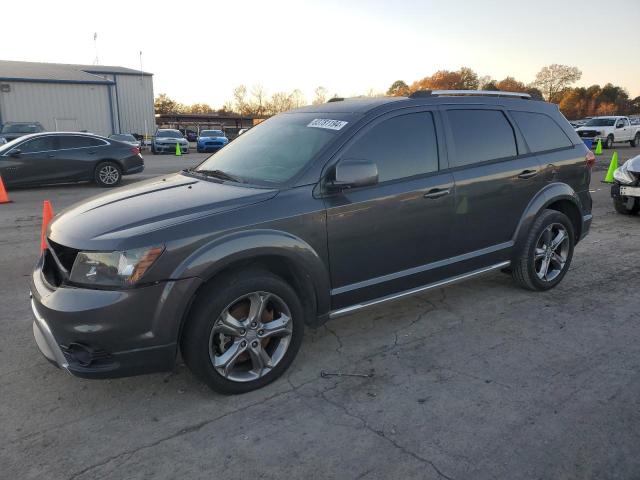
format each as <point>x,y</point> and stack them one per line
<point>636,140</point>
<point>525,270</point>
<point>153,150</point>
<point>621,206</point>
<point>213,299</point>
<point>608,143</point>
<point>107,174</point>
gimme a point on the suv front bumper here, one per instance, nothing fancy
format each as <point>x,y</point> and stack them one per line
<point>109,333</point>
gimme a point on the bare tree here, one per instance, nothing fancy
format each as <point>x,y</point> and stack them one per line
<point>297,99</point>
<point>321,95</point>
<point>553,79</point>
<point>240,99</point>
<point>258,100</point>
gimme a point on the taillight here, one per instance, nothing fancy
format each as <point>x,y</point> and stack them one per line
<point>590,159</point>
<point>136,151</point>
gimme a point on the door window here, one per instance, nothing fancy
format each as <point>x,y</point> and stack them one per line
<point>402,146</point>
<point>39,144</point>
<point>540,131</point>
<point>481,135</point>
<point>79,141</point>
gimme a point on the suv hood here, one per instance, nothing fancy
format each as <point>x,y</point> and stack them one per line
<point>111,221</point>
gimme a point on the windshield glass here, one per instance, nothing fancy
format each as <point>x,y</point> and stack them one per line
<point>277,149</point>
<point>600,122</point>
<point>9,145</point>
<point>169,133</point>
<point>20,128</point>
<point>211,133</point>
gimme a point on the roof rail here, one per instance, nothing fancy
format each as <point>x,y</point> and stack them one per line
<point>335,99</point>
<point>470,93</point>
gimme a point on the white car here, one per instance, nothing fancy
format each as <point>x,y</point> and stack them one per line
<point>609,130</point>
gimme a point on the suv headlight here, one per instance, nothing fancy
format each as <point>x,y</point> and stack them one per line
<point>113,269</point>
<point>623,175</point>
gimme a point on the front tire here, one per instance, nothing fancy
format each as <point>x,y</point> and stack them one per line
<point>546,254</point>
<point>626,205</point>
<point>107,174</point>
<point>608,143</point>
<point>243,332</point>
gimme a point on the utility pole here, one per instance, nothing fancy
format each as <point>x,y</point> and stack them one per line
<point>95,46</point>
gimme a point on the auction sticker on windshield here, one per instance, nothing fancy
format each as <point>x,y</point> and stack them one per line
<point>327,123</point>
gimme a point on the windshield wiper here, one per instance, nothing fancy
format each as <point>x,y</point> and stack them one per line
<point>216,174</point>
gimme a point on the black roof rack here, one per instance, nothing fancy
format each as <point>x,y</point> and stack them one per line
<point>335,99</point>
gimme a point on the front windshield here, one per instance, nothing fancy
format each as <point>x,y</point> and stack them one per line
<point>600,122</point>
<point>9,145</point>
<point>277,149</point>
<point>211,133</point>
<point>20,128</point>
<point>169,134</point>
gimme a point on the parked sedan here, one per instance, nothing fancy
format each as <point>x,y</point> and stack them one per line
<point>126,138</point>
<point>166,139</point>
<point>211,141</point>
<point>12,130</point>
<point>45,158</point>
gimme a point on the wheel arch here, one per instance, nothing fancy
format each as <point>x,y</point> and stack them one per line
<point>556,196</point>
<point>277,252</point>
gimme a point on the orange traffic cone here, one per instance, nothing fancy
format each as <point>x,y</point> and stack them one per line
<point>4,196</point>
<point>47,215</point>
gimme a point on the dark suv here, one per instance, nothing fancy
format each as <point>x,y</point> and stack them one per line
<point>313,214</point>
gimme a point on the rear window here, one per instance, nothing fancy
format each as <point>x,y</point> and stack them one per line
<point>540,131</point>
<point>481,135</point>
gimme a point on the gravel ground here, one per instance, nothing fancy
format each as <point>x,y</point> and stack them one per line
<point>479,380</point>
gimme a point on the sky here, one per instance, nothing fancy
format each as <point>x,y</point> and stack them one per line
<point>199,51</point>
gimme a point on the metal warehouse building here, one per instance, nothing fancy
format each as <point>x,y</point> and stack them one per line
<point>92,98</point>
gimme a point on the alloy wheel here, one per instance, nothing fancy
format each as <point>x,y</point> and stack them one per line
<point>250,337</point>
<point>551,252</point>
<point>109,175</point>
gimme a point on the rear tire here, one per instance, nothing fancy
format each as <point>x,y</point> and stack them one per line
<point>529,269</point>
<point>107,174</point>
<point>209,345</point>
<point>621,205</point>
<point>636,140</point>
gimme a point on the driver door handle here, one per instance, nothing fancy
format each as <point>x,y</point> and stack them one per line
<point>528,174</point>
<point>437,193</point>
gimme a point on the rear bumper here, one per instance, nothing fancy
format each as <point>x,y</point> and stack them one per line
<point>109,333</point>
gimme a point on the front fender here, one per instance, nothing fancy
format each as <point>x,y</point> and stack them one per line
<point>545,197</point>
<point>222,252</point>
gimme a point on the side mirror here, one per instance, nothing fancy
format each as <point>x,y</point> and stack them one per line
<point>620,125</point>
<point>15,152</point>
<point>352,173</point>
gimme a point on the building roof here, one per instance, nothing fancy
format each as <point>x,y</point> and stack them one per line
<point>11,70</point>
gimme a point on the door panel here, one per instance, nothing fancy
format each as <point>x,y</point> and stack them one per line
<point>381,237</point>
<point>493,184</point>
<point>490,200</point>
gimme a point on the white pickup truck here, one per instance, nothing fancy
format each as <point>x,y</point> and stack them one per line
<point>610,130</point>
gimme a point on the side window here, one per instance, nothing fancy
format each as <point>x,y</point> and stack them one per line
<point>79,141</point>
<point>39,144</point>
<point>540,131</point>
<point>401,146</point>
<point>481,135</point>
<point>625,122</point>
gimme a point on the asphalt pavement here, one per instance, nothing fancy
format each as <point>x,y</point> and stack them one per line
<point>480,380</point>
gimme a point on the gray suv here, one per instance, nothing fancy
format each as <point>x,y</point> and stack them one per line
<point>313,214</point>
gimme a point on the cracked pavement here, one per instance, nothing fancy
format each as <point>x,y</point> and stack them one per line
<point>479,380</point>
